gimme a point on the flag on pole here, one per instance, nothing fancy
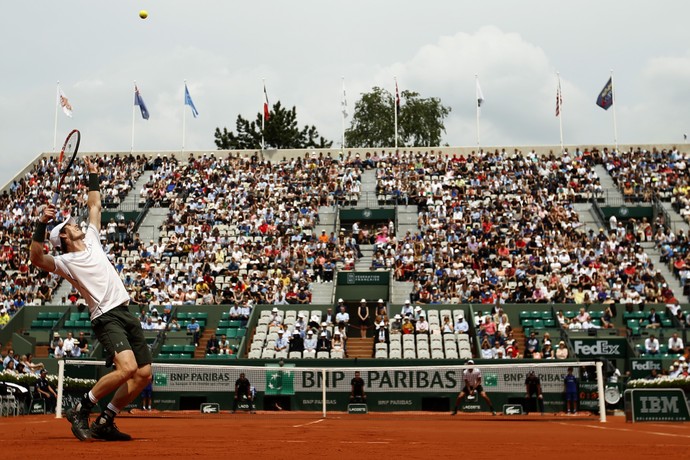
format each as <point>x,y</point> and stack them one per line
<point>266,112</point>
<point>397,98</point>
<point>605,98</point>
<point>480,95</point>
<point>64,103</point>
<point>559,99</point>
<point>138,100</point>
<point>343,103</point>
<point>188,101</point>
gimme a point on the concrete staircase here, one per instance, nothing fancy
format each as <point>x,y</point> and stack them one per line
<point>131,201</point>
<point>322,293</point>
<point>360,348</point>
<point>400,292</point>
<point>149,229</point>
<point>655,257</point>
<point>588,217</point>
<point>200,351</point>
<point>364,262</point>
<point>407,221</point>
<point>611,191</point>
<point>677,221</point>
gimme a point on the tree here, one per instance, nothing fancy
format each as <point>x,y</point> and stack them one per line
<point>280,132</point>
<point>420,121</point>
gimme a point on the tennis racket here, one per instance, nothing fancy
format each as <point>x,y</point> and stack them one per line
<point>66,159</point>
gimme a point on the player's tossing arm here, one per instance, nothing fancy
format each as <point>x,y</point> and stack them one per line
<point>38,257</point>
<point>94,199</point>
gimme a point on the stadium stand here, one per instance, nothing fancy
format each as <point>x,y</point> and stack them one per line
<point>493,228</point>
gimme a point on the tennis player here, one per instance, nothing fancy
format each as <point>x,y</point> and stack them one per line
<point>473,385</point>
<point>85,265</point>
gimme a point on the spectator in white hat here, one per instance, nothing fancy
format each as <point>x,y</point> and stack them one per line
<point>396,324</point>
<point>363,314</point>
<point>422,326</point>
<point>381,309</point>
<point>310,341</point>
<point>342,316</point>
<point>407,310</point>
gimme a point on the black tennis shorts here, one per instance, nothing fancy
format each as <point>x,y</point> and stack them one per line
<point>477,390</point>
<point>118,330</point>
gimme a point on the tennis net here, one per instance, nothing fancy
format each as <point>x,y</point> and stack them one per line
<point>286,387</point>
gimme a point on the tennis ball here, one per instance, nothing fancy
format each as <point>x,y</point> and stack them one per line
<point>143,14</point>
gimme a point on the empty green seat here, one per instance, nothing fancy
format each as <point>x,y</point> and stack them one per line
<point>235,323</point>
<point>70,324</point>
<point>549,323</point>
<point>224,323</point>
<point>546,315</point>
<point>36,324</point>
<point>188,349</point>
<point>538,324</point>
<point>167,349</point>
<point>182,315</point>
<point>527,323</point>
<point>241,332</point>
<point>231,333</point>
<point>524,314</point>
<point>74,316</point>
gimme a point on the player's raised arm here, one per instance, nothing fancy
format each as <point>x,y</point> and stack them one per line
<point>38,257</point>
<point>94,199</point>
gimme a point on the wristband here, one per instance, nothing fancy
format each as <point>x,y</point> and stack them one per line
<point>94,185</point>
<point>39,232</point>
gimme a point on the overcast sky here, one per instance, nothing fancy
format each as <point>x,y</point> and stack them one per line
<point>303,48</point>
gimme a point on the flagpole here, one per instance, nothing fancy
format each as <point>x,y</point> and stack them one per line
<point>395,111</point>
<point>476,90</point>
<point>133,114</point>
<point>184,116</point>
<point>342,143</point>
<point>263,115</point>
<point>560,108</point>
<point>613,102</point>
<point>57,98</point>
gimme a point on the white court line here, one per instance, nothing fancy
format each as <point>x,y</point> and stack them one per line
<point>600,427</point>
<point>364,442</point>
<point>676,426</point>
<point>310,423</point>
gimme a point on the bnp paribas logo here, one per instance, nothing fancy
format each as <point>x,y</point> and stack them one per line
<point>160,380</point>
<point>350,278</point>
<point>491,380</point>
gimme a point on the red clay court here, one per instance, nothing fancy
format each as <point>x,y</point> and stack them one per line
<point>380,435</point>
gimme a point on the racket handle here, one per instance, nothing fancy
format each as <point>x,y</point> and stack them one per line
<point>56,195</point>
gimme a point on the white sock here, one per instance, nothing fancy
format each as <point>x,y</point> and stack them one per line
<point>113,408</point>
<point>92,398</point>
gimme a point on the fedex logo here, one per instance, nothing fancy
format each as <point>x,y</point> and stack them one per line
<point>600,347</point>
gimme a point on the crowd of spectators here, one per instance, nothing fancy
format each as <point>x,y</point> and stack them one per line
<point>240,230</point>
<point>499,228</point>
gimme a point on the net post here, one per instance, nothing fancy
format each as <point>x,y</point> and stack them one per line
<point>323,392</point>
<point>600,390</point>
<point>60,385</point>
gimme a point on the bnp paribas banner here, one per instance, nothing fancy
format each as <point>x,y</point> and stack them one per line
<point>288,380</point>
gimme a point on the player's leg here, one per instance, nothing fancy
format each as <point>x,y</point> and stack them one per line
<point>458,400</point>
<point>540,403</point>
<point>483,394</point>
<point>135,363</point>
<point>234,402</point>
<point>129,390</point>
